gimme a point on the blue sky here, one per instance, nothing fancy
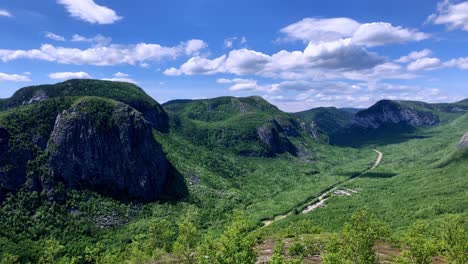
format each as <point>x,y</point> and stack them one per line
<point>296,54</point>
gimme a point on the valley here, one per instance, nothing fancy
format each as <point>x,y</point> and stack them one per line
<point>99,172</point>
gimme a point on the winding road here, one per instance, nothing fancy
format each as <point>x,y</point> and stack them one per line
<point>323,197</point>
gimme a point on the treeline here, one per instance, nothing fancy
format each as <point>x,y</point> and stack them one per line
<point>184,242</point>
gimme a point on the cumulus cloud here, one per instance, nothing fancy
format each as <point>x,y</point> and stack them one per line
<point>249,85</point>
<point>69,75</point>
<point>13,77</point>
<point>194,46</point>
<point>378,34</point>
<point>414,56</point>
<point>113,54</point>
<point>320,29</point>
<point>89,11</point>
<point>341,54</point>
<point>53,36</point>
<point>5,13</point>
<point>453,15</point>
<point>121,77</point>
<point>461,63</point>
<point>424,64</point>
<point>337,55</point>
<point>368,34</point>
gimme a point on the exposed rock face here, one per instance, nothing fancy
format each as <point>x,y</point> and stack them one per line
<point>390,112</point>
<point>310,129</point>
<point>111,151</point>
<point>273,136</point>
<point>464,141</point>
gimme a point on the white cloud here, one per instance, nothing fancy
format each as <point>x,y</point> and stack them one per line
<point>121,77</point>
<point>380,33</point>
<point>245,61</point>
<point>320,29</point>
<point>89,11</point>
<point>53,36</point>
<point>199,65</point>
<point>13,77</point>
<point>461,63</point>
<point>414,56</point>
<point>69,75</point>
<point>341,54</point>
<point>113,54</point>
<point>229,42</point>
<point>454,15</point>
<point>194,46</point>
<point>332,29</point>
<point>424,64</point>
<point>5,13</point>
<point>336,55</point>
<point>248,85</point>
<point>98,40</point>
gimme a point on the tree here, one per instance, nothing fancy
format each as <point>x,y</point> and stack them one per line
<point>187,239</point>
<point>9,259</point>
<point>236,245</point>
<point>277,257</point>
<point>455,240</point>
<point>356,242</point>
<point>418,245</point>
<point>52,249</point>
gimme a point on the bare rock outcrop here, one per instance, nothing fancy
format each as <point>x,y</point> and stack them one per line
<point>107,147</point>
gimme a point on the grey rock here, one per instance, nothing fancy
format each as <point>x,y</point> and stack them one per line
<point>390,112</point>
<point>463,141</point>
<point>273,137</point>
<point>115,155</point>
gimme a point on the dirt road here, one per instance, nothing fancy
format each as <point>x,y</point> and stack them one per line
<point>323,197</point>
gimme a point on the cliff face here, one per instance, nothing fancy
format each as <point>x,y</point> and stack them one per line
<point>108,147</point>
<point>390,112</point>
<point>463,141</point>
<point>274,136</point>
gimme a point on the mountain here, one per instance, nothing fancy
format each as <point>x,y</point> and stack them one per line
<point>329,120</point>
<point>79,133</point>
<point>351,110</point>
<point>127,93</point>
<point>398,113</point>
<point>247,126</point>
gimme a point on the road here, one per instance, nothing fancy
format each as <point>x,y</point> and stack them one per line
<point>323,197</point>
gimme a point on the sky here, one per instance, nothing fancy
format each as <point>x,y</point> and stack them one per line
<point>297,54</point>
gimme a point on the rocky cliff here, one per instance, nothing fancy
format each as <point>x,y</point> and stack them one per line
<point>107,147</point>
<point>274,136</point>
<point>463,141</point>
<point>386,112</point>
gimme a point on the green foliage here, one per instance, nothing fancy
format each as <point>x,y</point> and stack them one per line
<point>454,238</point>
<point>187,239</point>
<point>8,258</point>
<point>278,257</point>
<point>328,119</point>
<point>356,242</point>
<point>235,245</point>
<point>418,245</point>
<point>296,248</point>
<point>52,249</point>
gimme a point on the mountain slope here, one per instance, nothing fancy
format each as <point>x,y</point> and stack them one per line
<point>127,93</point>
<point>328,119</point>
<point>247,126</point>
<point>54,133</point>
